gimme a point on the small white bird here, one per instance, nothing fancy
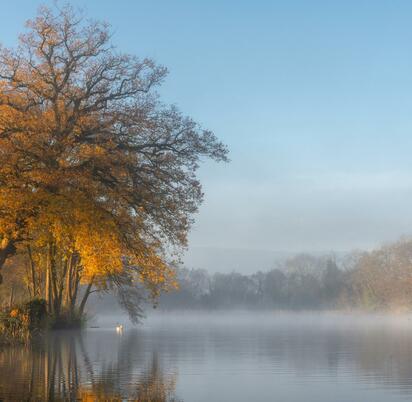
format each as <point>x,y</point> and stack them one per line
<point>119,328</point>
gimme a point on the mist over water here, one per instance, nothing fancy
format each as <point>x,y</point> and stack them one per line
<point>219,356</point>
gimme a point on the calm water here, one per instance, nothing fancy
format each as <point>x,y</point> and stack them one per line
<point>241,357</point>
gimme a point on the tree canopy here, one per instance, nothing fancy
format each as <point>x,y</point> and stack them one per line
<point>94,169</point>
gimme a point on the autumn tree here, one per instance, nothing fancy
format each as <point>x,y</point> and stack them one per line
<point>382,278</point>
<point>95,172</point>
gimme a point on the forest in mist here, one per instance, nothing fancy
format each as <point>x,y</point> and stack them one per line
<point>377,280</point>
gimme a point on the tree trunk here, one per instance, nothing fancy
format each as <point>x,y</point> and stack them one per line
<point>75,287</point>
<point>85,297</point>
<point>61,284</point>
<point>11,300</point>
<point>32,271</point>
<point>68,285</point>
<point>54,299</point>
<point>7,249</point>
<point>48,289</point>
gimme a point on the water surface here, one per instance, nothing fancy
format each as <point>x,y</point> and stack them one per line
<point>222,357</point>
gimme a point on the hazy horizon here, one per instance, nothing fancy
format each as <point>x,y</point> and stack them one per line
<point>245,261</point>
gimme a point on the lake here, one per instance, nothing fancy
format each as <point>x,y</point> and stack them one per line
<point>219,357</point>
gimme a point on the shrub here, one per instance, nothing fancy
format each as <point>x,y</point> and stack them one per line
<point>20,322</point>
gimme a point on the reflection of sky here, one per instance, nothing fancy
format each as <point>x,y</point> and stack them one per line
<point>223,357</point>
<point>312,98</point>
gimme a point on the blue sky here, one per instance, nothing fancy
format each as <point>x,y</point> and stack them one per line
<point>313,99</point>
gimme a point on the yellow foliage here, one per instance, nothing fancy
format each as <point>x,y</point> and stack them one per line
<point>91,163</point>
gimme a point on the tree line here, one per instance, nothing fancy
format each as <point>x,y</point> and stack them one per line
<point>380,279</point>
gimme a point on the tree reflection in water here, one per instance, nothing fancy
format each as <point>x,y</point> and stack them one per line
<point>59,369</point>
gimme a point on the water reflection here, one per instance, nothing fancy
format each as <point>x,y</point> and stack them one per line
<point>61,368</point>
<point>260,358</point>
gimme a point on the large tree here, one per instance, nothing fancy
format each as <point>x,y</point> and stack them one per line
<point>92,165</point>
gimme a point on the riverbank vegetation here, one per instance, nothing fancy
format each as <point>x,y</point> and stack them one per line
<point>98,178</point>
